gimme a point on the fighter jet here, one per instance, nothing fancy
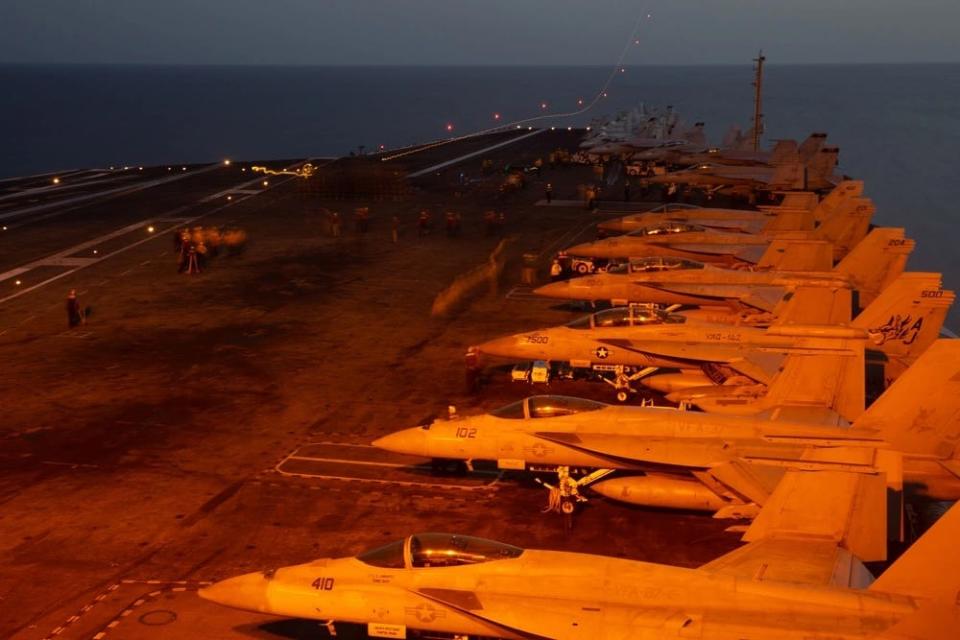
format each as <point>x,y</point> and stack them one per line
<point>783,152</point>
<point>900,323</point>
<point>800,576</point>
<point>741,220</point>
<point>844,228</point>
<point>816,173</point>
<point>875,262</point>
<point>721,464</point>
<point>630,343</point>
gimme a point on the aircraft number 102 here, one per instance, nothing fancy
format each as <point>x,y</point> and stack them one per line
<point>466,432</point>
<point>323,584</point>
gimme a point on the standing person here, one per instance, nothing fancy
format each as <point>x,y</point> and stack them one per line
<point>423,223</point>
<point>591,197</point>
<point>335,224</point>
<point>548,192</point>
<point>396,228</point>
<point>74,311</point>
<point>451,224</point>
<point>193,264</point>
<point>626,190</point>
<point>555,270</point>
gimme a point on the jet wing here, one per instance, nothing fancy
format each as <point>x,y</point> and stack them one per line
<point>506,617</point>
<point>534,618</point>
<point>633,452</point>
<point>754,363</point>
<point>817,527</point>
<point>765,298</point>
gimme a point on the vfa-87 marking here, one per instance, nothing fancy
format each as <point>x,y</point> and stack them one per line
<point>902,328</point>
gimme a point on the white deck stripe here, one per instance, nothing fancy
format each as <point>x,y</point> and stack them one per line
<point>422,172</point>
<point>19,213</point>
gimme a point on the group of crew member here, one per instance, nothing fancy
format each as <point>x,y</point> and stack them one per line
<point>194,247</point>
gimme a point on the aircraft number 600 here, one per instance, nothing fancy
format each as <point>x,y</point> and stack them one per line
<point>323,584</point>
<point>466,432</point>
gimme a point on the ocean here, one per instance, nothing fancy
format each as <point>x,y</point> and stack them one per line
<point>897,126</point>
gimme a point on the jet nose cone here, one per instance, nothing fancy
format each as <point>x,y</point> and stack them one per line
<point>506,347</point>
<point>407,441</point>
<point>247,592</point>
<point>554,290</point>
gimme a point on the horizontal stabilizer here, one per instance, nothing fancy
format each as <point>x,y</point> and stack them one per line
<point>798,255</point>
<point>799,561</point>
<point>848,509</point>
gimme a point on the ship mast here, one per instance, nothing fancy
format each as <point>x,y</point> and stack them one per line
<point>758,100</point>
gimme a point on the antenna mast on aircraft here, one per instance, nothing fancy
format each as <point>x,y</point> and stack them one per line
<point>758,100</point>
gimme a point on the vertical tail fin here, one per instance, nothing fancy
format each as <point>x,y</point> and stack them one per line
<point>820,168</point>
<point>821,372</point>
<point>906,318</point>
<point>798,255</point>
<point>811,146</point>
<point>876,261</point>
<point>847,225</point>
<point>814,306</point>
<point>784,151</point>
<point>920,412</point>
<point>789,175</point>
<point>790,220</point>
<point>696,134</point>
<point>930,568</point>
<point>841,193</point>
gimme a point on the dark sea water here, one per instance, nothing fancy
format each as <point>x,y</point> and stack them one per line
<point>898,126</point>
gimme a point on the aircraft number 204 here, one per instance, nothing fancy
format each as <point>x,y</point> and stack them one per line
<point>322,584</point>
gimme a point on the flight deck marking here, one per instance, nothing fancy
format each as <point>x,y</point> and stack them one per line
<point>102,194</point>
<point>447,163</point>
<point>486,486</point>
<point>129,228</point>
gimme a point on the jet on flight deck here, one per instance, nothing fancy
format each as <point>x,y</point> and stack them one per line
<point>630,343</point>
<point>748,291</point>
<point>726,465</point>
<point>843,228</point>
<point>743,220</point>
<point>800,576</point>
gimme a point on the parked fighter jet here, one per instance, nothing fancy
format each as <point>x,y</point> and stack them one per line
<point>876,261</point>
<point>741,220</point>
<point>717,463</point>
<point>632,343</point>
<point>844,228</point>
<point>800,576</point>
<point>814,174</point>
<point>783,152</point>
<point>901,323</point>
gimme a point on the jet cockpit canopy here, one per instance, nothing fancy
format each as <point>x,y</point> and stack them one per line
<point>662,263</point>
<point>632,316</point>
<point>666,228</point>
<point>438,550</point>
<point>546,406</point>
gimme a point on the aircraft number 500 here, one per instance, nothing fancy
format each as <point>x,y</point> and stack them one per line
<point>466,432</point>
<point>323,584</point>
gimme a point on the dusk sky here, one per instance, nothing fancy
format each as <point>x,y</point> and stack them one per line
<point>494,32</point>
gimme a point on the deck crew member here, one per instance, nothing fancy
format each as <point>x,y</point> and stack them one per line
<point>548,192</point>
<point>74,311</point>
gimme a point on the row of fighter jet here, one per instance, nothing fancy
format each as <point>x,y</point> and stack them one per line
<point>735,168</point>
<point>773,321</point>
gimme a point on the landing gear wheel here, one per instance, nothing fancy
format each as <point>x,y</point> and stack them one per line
<point>567,507</point>
<point>622,396</point>
<point>582,268</point>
